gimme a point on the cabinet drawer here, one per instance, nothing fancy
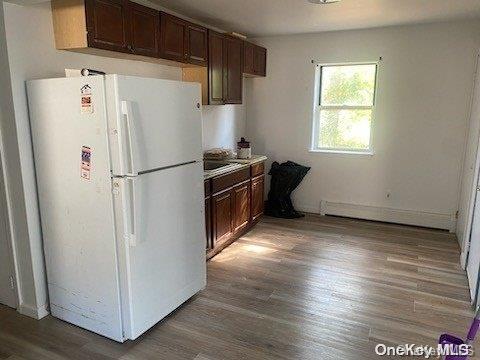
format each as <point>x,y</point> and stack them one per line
<point>226,181</point>
<point>258,169</point>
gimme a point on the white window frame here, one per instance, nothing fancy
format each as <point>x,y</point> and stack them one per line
<point>317,107</point>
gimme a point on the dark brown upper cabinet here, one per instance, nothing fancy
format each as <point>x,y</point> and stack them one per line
<point>106,22</point>
<point>215,68</point>
<point>144,30</point>
<point>217,61</point>
<point>225,69</point>
<point>248,54</point>
<point>260,61</point>
<point>233,70</point>
<point>183,41</point>
<point>197,45</point>
<point>254,60</point>
<point>172,37</point>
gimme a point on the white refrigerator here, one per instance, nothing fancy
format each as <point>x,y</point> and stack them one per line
<point>120,183</point>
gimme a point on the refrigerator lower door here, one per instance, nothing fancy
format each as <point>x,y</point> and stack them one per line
<point>78,225</point>
<point>160,217</point>
<point>153,123</point>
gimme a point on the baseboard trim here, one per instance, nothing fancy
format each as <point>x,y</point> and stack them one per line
<point>307,209</point>
<point>398,216</point>
<point>33,312</point>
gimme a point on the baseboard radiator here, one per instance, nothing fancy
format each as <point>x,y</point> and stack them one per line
<point>407,217</point>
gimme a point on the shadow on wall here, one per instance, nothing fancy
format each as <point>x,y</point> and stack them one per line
<point>223,125</point>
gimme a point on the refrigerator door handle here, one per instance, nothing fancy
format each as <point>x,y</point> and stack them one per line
<point>131,211</point>
<point>131,139</point>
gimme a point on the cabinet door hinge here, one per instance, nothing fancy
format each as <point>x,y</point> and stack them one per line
<point>12,283</point>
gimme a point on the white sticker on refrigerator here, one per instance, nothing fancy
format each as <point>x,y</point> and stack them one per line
<point>86,102</point>
<point>85,166</point>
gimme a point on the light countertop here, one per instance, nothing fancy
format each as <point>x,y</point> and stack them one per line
<point>233,165</point>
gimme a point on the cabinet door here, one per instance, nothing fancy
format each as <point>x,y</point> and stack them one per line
<point>106,24</point>
<point>208,223</point>
<point>222,216</point>
<point>215,64</point>
<point>248,55</point>
<point>233,71</point>
<point>241,201</point>
<point>260,61</point>
<point>144,30</point>
<point>172,38</point>
<point>197,41</point>
<point>257,197</point>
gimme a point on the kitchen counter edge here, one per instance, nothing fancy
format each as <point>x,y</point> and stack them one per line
<point>242,165</point>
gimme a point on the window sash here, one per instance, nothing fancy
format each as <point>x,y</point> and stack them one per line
<point>316,130</point>
<point>345,107</point>
<point>347,64</point>
<point>319,107</point>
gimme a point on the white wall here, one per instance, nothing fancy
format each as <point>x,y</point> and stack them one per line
<point>32,54</point>
<point>424,84</point>
<point>224,125</point>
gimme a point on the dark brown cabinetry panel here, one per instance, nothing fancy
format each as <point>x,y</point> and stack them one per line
<point>197,45</point>
<point>257,197</point>
<point>260,61</point>
<point>172,37</point>
<point>255,60</point>
<point>248,54</point>
<point>208,214</point>
<point>236,204</point>
<point>128,28</point>
<point>144,30</point>
<point>222,216</point>
<point>241,204</point>
<point>258,169</point>
<point>208,223</point>
<point>106,24</point>
<point>215,67</point>
<point>233,70</point>
<point>183,41</point>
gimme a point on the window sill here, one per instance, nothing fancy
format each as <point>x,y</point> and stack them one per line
<point>367,153</point>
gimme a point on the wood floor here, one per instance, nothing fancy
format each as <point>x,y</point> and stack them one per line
<point>314,288</point>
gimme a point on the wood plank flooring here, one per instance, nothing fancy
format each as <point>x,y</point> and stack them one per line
<point>314,288</point>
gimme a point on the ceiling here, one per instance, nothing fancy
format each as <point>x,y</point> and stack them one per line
<point>279,17</point>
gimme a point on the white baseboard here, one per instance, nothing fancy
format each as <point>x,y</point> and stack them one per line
<point>407,217</point>
<point>33,312</point>
<point>307,209</point>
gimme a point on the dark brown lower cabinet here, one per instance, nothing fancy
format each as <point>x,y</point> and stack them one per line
<point>257,197</point>
<point>222,216</point>
<point>241,206</point>
<point>208,222</point>
<point>235,205</point>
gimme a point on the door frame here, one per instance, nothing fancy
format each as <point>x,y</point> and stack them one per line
<point>8,224</point>
<point>473,191</point>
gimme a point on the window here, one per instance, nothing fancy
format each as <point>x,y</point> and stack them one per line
<point>344,107</point>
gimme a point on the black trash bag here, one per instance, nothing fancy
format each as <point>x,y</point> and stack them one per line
<point>285,178</point>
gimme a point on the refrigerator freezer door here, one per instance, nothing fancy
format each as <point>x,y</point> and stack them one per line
<point>153,123</point>
<point>160,216</point>
<point>74,190</point>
